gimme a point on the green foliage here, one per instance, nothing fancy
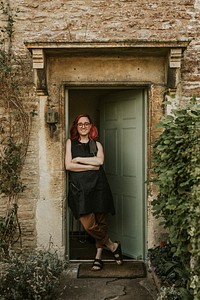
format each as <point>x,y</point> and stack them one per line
<point>10,168</point>
<point>177,174</point>
<point>10,231</point>
<point>32,278</point>
<point>170,293</point>
<point>170,271</point>
<point>15,125</point>
<point>10,185</point>
<point>6,10</point>
<point>5,65</point>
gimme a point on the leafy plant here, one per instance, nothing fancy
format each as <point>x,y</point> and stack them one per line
<point>11,164</point>
<point>9,226</point>
<point>176,159</point>
<point>171,273</point>
<point>33,277</point>
<point>170,293</point>
<point>15,126</point>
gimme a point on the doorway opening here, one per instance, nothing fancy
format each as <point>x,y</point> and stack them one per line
<point>119,114</point>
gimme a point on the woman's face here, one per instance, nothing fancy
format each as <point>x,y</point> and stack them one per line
<point>83,126</point>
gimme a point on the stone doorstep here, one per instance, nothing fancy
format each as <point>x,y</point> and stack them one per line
<point>149,283</point>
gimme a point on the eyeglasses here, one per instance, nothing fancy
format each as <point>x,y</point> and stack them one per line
<point>86,124</point>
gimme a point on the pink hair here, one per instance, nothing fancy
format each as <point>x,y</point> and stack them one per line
<point>93,134</point>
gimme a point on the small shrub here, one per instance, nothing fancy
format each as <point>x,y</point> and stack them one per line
<point>33,277</point>
<point>170,293</point>
<point>176,167</point>
<point>171,273</point>
<point>167,266</point>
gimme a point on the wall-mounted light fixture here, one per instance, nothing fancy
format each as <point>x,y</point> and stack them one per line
<point>52,120</point>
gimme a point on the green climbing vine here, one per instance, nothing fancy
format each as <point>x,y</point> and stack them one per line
<point>15,126</point>
<point>176,158</point>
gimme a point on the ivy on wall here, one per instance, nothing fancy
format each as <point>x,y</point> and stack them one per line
<point>176,158</point>
<point>15,127</point>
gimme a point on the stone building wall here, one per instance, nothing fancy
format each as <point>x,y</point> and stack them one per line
<point>114,20</point>
<point>80,21</point>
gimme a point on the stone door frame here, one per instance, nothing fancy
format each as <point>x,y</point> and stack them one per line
<point>172,51</point>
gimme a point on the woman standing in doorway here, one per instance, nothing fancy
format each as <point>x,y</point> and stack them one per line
<point>89,197</point>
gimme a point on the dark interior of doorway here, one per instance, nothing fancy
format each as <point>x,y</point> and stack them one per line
<point>82,247</point>
<point>85,101</point>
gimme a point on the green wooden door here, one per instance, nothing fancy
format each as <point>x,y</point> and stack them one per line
<point>122,135</point>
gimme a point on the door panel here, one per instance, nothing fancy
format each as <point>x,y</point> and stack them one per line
<point>121,132</point>
<point>111,135</point>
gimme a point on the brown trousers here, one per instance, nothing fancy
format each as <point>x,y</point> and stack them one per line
<point>95,224</point>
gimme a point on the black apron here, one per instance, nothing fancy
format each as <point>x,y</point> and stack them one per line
<point>89,191</point>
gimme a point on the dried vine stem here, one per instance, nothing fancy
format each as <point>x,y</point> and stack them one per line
<point>15,127</point>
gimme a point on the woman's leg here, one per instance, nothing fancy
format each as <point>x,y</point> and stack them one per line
<point>115,248</point>
<point>96,225</point>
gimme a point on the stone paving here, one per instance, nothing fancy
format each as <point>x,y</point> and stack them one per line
<point>73,288</point>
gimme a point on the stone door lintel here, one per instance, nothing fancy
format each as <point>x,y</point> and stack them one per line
<point>40,50</point>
